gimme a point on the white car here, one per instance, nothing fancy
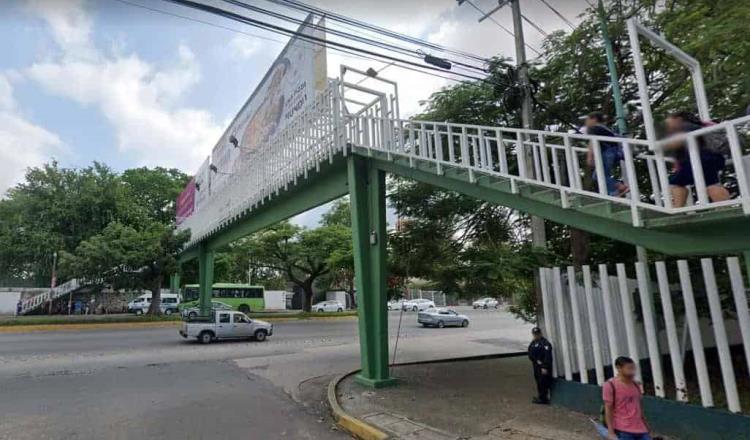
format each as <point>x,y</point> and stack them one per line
<point>396,304</point>
<point>485,303</point>
<point>226,325</point>
<point>418,305</point>
<point>328,306</point>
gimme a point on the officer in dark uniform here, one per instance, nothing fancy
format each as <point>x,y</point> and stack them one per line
<point>540,354</point>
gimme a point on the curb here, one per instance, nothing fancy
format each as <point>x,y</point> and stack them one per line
<point>349,423</point>
<point>363,430</point>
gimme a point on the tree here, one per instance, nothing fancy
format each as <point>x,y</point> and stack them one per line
<point>124,256</point>
<point>155,191</point>
<point>301,255</point>
<point>55,209</point>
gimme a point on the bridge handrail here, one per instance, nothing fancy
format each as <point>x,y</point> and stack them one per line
<point>548,159</point>
<point>489,150</point>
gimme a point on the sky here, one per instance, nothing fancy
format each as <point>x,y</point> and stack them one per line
<point>109,81</point>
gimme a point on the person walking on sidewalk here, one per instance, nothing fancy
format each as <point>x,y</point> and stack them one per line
<point>540,354</point>
<point>623,413</point>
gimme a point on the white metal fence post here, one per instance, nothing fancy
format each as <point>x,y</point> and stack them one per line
<point>696,340</point>
<point>627,314</point>
<point>614,346</point>
<point>740,303</point>
<point>593,325</point>
<point>577,329</point>
<point>720,335</point>
<point>652,340</point>
<point>562,322</point>
<point>672,340</point>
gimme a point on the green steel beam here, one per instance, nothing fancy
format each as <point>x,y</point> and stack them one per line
<point>367,189</point>
<point>174,282</point>
<point>719,236</point>
<point>319,188</point>
<point>205,278</point>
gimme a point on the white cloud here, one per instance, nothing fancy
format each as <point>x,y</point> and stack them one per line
<point>139,99</point>
<point>243,46</point>
<point>22,144</point>
<point>69,23</point>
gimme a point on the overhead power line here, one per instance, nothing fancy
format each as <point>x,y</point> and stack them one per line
<point>535,26</point>
<point>326,43</point>
<point>358,38</point>
<point>301,6</point>
<point>559,14</point>
<point>500,25</point>
<point>249,34</point>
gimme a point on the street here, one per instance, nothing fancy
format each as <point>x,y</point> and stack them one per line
<point>151,383</point>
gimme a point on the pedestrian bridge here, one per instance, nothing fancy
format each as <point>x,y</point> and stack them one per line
<point>340,145</point>
<point>535,171</point>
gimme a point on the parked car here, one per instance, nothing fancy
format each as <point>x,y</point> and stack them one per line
<point>170,303</point>
<point>442,318</point>
<point>417,305</point>
<point>485,303</point>
<point>193,312</point>
<point>226,325</point>
<point>396,304</point>
<point>328,306</point>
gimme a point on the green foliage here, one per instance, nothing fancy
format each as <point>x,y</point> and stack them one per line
<point>302,256</point>
<point>125,256</point>
<point>56,209</point>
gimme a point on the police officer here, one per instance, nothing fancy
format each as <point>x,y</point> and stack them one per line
<point>540,354</point>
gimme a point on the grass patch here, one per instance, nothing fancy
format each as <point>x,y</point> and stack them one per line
<point>105,319</point>
<point>94,319</point>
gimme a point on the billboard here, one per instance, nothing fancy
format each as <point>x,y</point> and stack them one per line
<point>185,202</point>
<point>293,79</point>
<point>290,82</point>
<point>202,185</point>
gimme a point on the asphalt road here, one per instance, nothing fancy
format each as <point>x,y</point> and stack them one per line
<point>150,383</point>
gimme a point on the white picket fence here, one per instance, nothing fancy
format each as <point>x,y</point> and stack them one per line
<point>590,317</point>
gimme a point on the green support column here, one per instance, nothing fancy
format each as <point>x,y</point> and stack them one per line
<point>367,189</point>
<point>174,282</point>
<point>205,278</point>
<point>746,257</point>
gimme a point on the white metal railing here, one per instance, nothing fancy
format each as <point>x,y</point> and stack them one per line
<point>553,160</point>
<point>311,138</point>
<point>557,160</point>
<point>50,295</point>
<point>617,327</point>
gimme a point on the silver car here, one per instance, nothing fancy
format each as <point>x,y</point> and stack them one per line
<point>442,318</point>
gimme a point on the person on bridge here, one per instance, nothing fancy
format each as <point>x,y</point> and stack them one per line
<point>712,160</point>
<point>623,413</point>
<point>611,153</point>
<point>540,354</point>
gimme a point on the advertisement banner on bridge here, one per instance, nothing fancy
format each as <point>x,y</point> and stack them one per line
<point>185,202</point>
<point>202,185</point>
<point>292,81</point>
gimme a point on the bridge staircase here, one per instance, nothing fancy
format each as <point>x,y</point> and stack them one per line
<point>37,302</point>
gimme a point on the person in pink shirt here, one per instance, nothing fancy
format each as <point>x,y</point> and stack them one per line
<point>622,404</point>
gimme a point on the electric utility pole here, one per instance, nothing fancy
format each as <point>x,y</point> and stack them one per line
<point>538,232</point>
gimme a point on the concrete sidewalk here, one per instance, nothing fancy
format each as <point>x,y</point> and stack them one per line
<point>482,399</point>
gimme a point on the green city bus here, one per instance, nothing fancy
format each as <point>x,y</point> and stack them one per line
<point>242,297</point>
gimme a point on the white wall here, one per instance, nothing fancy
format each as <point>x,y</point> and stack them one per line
<point>8,301</point>
<point>338,295</point>
<point>275,299</point>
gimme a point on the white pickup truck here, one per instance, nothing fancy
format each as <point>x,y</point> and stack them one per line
<point>225,325</point>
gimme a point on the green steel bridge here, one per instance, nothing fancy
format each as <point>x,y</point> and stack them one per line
<point>350,137</point>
